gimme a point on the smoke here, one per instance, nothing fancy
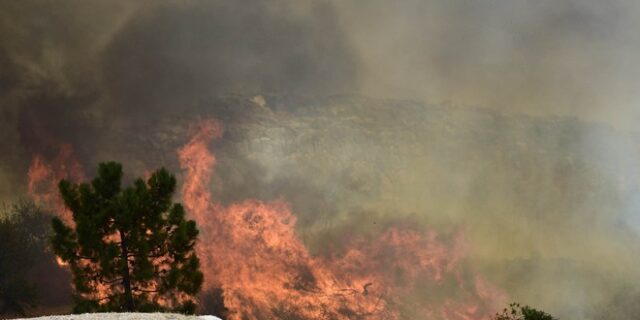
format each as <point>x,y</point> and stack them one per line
<point>251,250</point>
<point>542,179</point>
<point>568,57</point>
<point>173,55</point>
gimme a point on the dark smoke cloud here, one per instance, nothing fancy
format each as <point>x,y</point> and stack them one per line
<point>103,76</point>
<point>169,56</point>
<point>92,67</point>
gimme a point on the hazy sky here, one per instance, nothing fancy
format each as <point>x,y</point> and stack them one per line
<point>566,57</point>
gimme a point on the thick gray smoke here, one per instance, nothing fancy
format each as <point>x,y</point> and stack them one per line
<point>89,66</point>
<point>336,107</point>
<point>567,57</point>
<point>173,55</point>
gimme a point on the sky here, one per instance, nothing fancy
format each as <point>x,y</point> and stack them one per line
<point>574,58</point>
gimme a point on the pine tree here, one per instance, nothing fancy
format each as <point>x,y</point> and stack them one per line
<point>130,249</point>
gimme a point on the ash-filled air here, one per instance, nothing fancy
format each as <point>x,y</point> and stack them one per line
<point>423,158</point>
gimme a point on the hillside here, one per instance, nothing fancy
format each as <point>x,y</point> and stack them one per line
<point>540,199</point>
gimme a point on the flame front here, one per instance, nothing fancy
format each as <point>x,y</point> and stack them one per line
<point>251,250</point>
<point>43,178</point>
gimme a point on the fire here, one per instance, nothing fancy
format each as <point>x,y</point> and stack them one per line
<point>60,262</point>
<point>251,250</point>
<point>43,178</point>
<point>42,186</point>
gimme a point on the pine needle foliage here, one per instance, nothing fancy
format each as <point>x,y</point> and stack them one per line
<point>129,249</point>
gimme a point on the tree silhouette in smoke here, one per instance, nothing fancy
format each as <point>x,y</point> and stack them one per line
<point>19,250</point>
<point>130,249</point>
<point>519,312</point>
<point>27,266</point>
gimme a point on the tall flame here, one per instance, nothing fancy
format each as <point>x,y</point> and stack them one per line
<point>251,250</point>
<point>43,178</point>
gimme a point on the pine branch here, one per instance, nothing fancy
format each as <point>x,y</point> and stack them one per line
<point>145,290</point>
<point>116,280</point>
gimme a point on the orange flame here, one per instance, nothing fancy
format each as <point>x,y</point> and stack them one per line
<point>251,250</point>
<point>43,178</point>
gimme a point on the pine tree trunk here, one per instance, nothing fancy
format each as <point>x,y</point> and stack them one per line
<point>126,280</point>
